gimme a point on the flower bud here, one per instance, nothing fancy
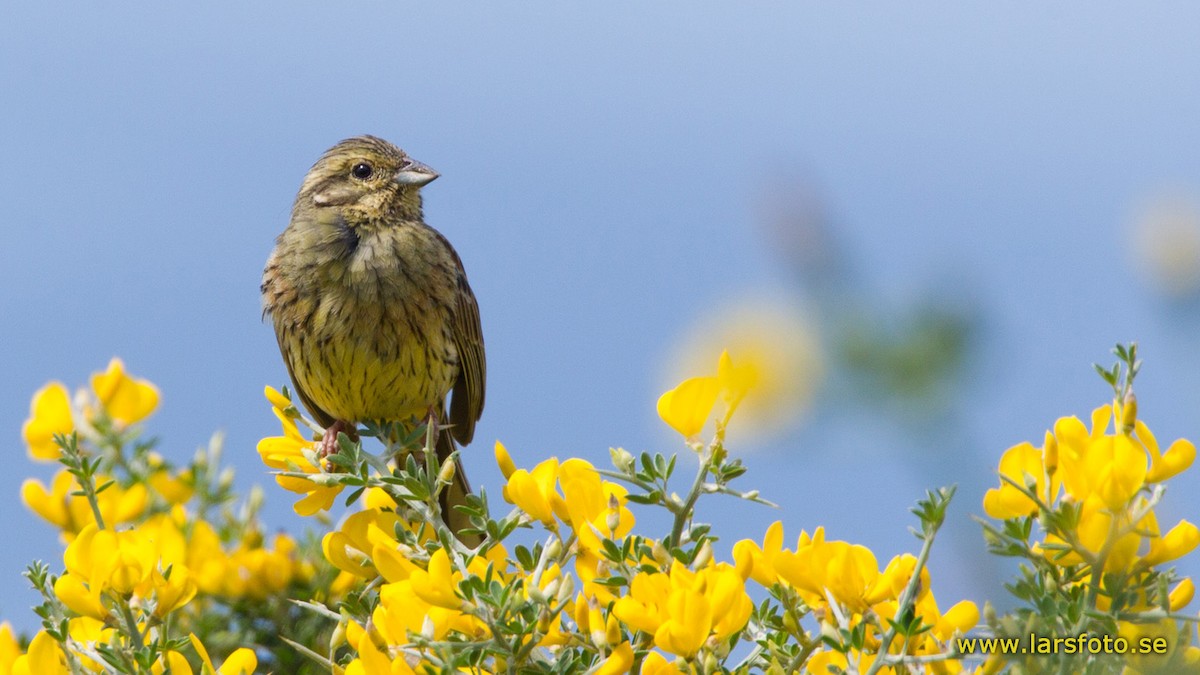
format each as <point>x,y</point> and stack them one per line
<point>338,638</point>
<point>1050,453</point>
<point>543,622</point>
<point>446,474</point>
<point>661,555</point>
<point>704,556</point>
<point>323,479</point>
<point>989,614</point>
<point>790,624</point>
<point>1128,412</point>
<point>254,500</point>
<point>622,460</point>
<point>597,628</point>
<point>613,520</point>
<point>504,461</point>
<point>612,632</point>
<point>566,588</point>
<point>552,551</point>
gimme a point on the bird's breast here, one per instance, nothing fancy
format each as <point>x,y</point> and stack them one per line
<point>378,342</point>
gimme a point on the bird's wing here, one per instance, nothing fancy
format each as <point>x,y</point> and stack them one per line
<point>466,404</point>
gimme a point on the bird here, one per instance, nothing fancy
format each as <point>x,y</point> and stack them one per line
<point>371,307</point>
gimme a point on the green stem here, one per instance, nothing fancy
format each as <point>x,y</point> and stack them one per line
<point>131,624</point>
<point>684,512</point>
<point>904,604</point>
<point>84,473</point>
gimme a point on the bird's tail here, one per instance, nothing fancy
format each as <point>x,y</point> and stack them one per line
<point>455,494</point>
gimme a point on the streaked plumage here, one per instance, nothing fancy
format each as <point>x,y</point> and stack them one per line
<point>371,306</point>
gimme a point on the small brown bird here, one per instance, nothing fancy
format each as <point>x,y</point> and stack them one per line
<point>371,306</point>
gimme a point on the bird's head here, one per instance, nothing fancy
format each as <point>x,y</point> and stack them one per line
<point>366,179</point>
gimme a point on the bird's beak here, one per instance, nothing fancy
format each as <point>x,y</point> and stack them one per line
<point>415,173</point>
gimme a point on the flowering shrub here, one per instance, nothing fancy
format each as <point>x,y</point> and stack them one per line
<point>161,562</point>
<point>1096,562</point>
<point>163,566</point>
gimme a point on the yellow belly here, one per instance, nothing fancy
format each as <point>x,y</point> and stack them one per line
<point>350,380</point>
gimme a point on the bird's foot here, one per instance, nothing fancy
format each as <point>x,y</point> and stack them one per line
<point>431,420</point>
<point>329,440</point>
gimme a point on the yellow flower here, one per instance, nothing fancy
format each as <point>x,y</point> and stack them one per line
<point>735,382</point>
<point>126,400</point>
<point>10,649</point>
<point>175,488</point>
<point>1176,660</point>
<point>592,507</point>
<point>175,661</point>
<point>45,657</point>
<point>684,608</point>
<point>372,661</point>
<point>826,661</point>
<point>207,562</point>
<point>504,461</point>
<point>956,621</point>
<point>618,662</point>
<point>110,560</point>
<point>657,664</point>
<point>1176,459</point>
<point>595,508</point>
<point>1181,540</point>
<point>66,509</point>
<point>895,577</point>
<point>1094,530</point>
<point>80,597</point>
<point>378,498</point>
<point>1111,467</point>
<point>49,414</point>
<point>592,623</point>
<point>846,571</point>
<point>292,452</point>
<point>170,593</point>
<point>1023,464</point>
<point>240,662</point>
<point>365,546</point>
<point>438,585</point>
<point>687,407</point>
<point>267,571</point>
<point>776,351</point>
<point>403,608</point>
<point>534,492</point>
<point>960,618</point>
<point>276,398</point>
<point>1181,595</point>
<point>754,562</point>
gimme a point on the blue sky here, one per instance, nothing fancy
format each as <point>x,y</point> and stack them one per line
<point>601,168</point>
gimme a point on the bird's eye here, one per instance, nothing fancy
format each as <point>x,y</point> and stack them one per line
<point>362,171</point>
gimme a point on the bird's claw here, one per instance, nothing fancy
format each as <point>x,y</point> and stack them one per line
<point>329,440</point>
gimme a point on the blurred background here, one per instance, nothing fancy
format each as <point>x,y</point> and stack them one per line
<point>926,222</point>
